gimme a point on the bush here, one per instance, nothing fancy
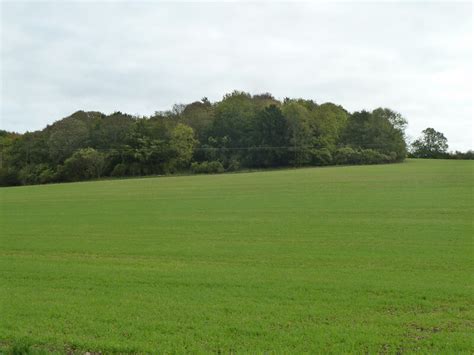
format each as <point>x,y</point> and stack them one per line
<point>370,156</point>
<point>344,155</point>
<point>9,177</point>
<point>233,165</point>
<point>119,170</point>
<point>349,155</point>
<point>28,175</point>
<point>207,167</point>
<point>135,169</point>
<point>31,174</point>
<point>84,164</point>
<point>321,157</point>
<point>47,176</point>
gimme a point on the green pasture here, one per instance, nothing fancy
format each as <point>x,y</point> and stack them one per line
<point>358,259</point>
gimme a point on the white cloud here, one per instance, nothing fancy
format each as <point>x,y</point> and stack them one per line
<point>140,57</point>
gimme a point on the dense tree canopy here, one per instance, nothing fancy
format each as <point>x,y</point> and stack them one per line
<point>432,144</point>
<point>240,131</point>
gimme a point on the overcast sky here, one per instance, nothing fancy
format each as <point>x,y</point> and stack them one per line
<point>140,57</point>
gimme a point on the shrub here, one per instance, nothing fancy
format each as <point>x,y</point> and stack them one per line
<point>233,165</point>
<point>216,167</point>
<point>9,177</point>
<point>135,169</point>
<point>47,176</point>
<point>119,170</point>
<point>207,167</point>
<point>84,164</point>
<point>31,174</point>
<point>321,157</point>
<point>370,156</point>
<point>344,155</point>
<point>347,155</point>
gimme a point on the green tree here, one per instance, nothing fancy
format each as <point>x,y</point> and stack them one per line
<point>84,164</point>
<point>144,154</point>
<point>239,131</point>
<point>233,119</point>
<point>301,140</point>
<point>182,142</point>
<point>111,131</point>
<point>270,136</point>
<point>374,130</point>
<point>328,122</point>
<point>396,119</point>
<point>65,137</point>
<point>432,144</point>
<point>199,116</point>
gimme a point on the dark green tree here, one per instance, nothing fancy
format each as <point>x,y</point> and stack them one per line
<point>375,130</point>
<point>240,131</point>
<point>432,144</point>
<point>270,138</point>
<point>84,164</point>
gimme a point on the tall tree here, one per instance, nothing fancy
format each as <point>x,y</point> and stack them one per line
<point>432,144</point>
<point>374,130</point>
<point>270,135</point>
<point>65,137</point>
<point>199,116</point>
<point>301,137</point>
<point>182,142</point>
<point>328,122</point>
<point>233,119</point>
<point>84,164</point>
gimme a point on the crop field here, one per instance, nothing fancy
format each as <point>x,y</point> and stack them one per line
<point>339,259</point>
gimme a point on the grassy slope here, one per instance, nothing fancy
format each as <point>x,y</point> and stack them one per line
<point>367,258</point>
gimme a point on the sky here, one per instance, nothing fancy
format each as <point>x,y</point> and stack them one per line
<point>140,57</point>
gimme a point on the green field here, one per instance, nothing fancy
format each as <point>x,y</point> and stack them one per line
<point>340,259</point>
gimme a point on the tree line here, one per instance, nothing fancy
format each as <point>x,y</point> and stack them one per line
<point>239,132</point>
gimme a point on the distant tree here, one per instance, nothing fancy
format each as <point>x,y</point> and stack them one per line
<point>395,118</point>
<point>110,131</point>
<point>239,131</point>
<point>328,122</point>
<point>65,137</point>
<point>270,135</point>
<point>9,177</point>
<point>199,115</point>
<point>147,149</point>
<point>390,137</point>
<point>376,130</point>
<point>233,119</point>
<point>178,109</point>
<point>84,164</point>
<point>264,100</point>
<point>182,142</point>
<point>468,155</point>
<point>30,148</point>
<point>301,134</point>
<point>432,144</point>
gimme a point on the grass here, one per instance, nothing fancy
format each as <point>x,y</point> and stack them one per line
<point>342,259</point>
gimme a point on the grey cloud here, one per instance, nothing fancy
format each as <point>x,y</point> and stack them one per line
<point>139,57</point>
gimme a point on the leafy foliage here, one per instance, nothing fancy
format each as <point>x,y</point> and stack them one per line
<point>432,144</point>
<point>84,164</point>
<point>240,131</point>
